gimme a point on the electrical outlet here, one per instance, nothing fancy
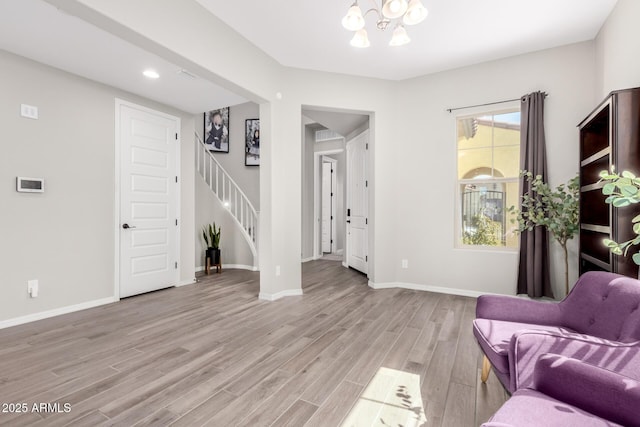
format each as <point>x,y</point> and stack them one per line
<point>277,270</point>
<point>32,288</point>
<point>405,263</point>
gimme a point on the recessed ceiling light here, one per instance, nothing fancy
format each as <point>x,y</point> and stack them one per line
<point>151,74</point>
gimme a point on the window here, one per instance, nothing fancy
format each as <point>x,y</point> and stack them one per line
<point>488,171</point>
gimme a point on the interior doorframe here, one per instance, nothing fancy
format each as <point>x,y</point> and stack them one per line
<point>117,168</point>
<point>334,213</point>
<point>317,214</point>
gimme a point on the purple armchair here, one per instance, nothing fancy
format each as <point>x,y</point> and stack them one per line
<point>598,322</point>
<point>571,393</point>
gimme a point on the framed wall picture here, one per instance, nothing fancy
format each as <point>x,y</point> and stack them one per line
<point>216,130</point>
<point>252,142</point>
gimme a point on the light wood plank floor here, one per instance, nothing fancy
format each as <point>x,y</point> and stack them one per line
<point>213,354</point>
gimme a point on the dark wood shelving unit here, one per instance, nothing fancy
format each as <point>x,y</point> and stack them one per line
<point>609,137</point>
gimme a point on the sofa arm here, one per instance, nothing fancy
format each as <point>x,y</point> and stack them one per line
<point>598,391</point>
<point>515,309</point>
<point>527,346</point>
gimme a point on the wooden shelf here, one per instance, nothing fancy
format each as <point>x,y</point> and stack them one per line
<point>596,228</point>
<point>594,158</point>
<point>595,261</point>
<point>591,187</point>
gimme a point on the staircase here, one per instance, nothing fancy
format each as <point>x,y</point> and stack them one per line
<point>230,195</point>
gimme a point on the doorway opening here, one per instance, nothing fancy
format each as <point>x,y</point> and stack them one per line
<point>335,167</point>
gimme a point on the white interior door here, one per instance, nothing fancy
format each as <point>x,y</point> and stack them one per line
<point>327,217</point>
<point>329,204</point>
<point>357,203</point>
<point>148,142</point>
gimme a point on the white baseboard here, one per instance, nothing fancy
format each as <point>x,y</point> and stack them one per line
<point>313,258</point>
<point>55,312</point>
<point>272,297</point>
<point>340,252</point>
<point>345,265</point>
<point>231,266</point>
<point>429,288</point>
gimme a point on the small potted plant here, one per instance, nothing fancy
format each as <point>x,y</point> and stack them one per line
<point>211,236</point>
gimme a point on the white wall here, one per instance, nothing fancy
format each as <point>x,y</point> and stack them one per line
<point>307,219</point>
<point>426,151</point>
<point>208,208</point>
<point>234,247</point>
<point>413,139</point>
<point>618,49</point>
<point>65,237</point>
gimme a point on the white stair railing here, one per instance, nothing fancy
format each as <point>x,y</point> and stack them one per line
<point>230,195</point>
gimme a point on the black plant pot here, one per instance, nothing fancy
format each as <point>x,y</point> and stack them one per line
<point>214,256</point>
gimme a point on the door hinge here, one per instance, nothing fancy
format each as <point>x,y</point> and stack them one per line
<point>176,136</point>
<point>331,194</point>
<point>366,221</point>
<point>176,179</point>
<point>366,146</point>
<point>366,183</point>
<point>176,221</point>
<point>331,216</point>
<point>176,265</point>
<point>366,258</point>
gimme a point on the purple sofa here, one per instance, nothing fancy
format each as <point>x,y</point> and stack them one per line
<point>571,393</point>
<point>598,323</point>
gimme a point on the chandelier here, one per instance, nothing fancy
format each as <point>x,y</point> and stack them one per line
<point>410,12</point>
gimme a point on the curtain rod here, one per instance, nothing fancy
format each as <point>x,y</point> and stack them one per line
<point>488,103</point>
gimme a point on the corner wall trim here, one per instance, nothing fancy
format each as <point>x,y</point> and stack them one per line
<point>313,258</point>
<point>187,282</point>
<point>272,297</point>
<point>55,312</point>
<point>429,288</point>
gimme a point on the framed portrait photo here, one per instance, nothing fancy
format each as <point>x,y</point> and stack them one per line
<point>252,142</point>
<point>216,130</point>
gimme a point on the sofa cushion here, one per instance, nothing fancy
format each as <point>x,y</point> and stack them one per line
<point>530,408</point>
<point>494,337</point>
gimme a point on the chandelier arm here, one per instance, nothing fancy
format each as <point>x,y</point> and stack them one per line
<point>373,10</point>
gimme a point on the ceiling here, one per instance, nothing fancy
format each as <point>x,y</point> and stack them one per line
<point>457,33</point>
<point>302,34</point>
<point>39,31</point>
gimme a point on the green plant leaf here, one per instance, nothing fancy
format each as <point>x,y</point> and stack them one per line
<point>621,202</point>
<point>628,190</point>
<point>608,189</point>
<point>636,258</point>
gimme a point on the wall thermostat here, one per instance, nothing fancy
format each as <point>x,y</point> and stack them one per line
<point>29,185</point>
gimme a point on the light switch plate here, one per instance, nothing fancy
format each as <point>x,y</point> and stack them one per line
<point>29,111</point>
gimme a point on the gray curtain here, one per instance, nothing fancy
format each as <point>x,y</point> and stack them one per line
<point>533,271</point>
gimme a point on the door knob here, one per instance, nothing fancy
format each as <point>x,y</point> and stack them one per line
<point>127,226</point>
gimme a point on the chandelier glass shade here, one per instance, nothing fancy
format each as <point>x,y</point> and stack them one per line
<point>410,12</point>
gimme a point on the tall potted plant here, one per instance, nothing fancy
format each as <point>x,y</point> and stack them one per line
<point>211,236</point>
<point>623,190</point>
<point>555,209</point>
